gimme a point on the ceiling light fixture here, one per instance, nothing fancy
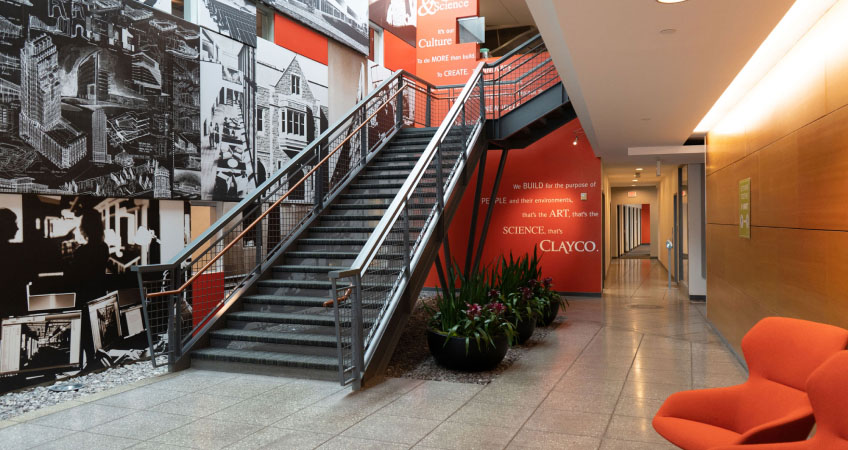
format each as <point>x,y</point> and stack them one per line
<point>670,2</point>
<point>635,180</point>
<point>639,168</point>
<point>797,22</point>
<point>574,142</point>
<point>668,31</point>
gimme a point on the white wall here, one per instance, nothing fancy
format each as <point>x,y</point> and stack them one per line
<point>697,270</point>
<point>171,228</point>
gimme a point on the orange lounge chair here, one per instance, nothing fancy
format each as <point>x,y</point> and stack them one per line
<point>772,406</point>
<point>827,388</point>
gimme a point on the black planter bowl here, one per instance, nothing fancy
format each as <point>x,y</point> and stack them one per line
<point>452,354</point>
<point>524,330</point>
<point>549,318</point>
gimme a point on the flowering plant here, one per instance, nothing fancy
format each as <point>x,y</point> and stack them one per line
<point>545,291</point>
<point>517,280</point>
<point>462,313</point>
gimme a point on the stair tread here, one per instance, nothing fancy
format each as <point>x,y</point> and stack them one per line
<point>268,358</point>
<point>279,317</point>
<point>274,336</point>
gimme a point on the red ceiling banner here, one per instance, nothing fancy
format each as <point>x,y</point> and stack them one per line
<point>441,60</point>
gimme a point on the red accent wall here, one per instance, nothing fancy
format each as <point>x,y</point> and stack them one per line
<point>646,223</point>
<point>300,39</point>
<point>397,54</point>
<point>551,163</point>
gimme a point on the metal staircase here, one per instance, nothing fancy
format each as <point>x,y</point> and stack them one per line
<point>317,270</point>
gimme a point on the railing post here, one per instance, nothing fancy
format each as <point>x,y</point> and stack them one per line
<point>175,338</point>
<point>482,98</point>
<point>464,131</point>
<point>363,137</point>
<point>319,186</point>
<point>399,112</point>
<point>257,242</point>
<point>357,341</point>
<point>407,249</point>
<point>427,114</point>
<point>440,200</point>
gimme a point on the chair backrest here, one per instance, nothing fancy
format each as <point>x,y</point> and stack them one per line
<point>827,388</point>
<point>787,350</point>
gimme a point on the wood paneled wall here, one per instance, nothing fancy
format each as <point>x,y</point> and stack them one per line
<point>790,136</point>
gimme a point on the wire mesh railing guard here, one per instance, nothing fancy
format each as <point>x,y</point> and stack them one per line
<point>182,298</point>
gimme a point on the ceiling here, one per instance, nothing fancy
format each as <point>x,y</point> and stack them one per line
<point>505,13</point>
<point>633,86</point>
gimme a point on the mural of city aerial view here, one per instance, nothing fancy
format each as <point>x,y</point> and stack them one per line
<point>97,98</point>
<point>343,20</point>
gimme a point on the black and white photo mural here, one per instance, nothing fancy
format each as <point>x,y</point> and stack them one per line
<point>70,299</point>
<point>227,99</point>
<point>291,106</point>
<point>96,98</point>
<point>399,17</point>
<point>343,20</point>
<point>161,5</point>
<point>232,18</point>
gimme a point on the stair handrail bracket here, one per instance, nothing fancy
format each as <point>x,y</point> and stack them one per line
<point>182,299</point>
<point>382,268</point>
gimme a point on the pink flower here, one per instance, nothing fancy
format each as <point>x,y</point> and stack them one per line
<point>497,307</point>
<point>548,282</point>
<point>494,293</point>
<point>473,311</point>
<point>527,293</point>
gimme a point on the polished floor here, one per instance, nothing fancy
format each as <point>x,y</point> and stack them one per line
<point>594,383</point>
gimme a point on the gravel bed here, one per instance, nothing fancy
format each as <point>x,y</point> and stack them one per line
<point>16,403</point>
<point>412,358</point>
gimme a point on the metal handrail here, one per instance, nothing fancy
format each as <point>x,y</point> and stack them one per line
<point>356,346</point>
<point>391,215</point>
<point>277,203</point>
<point>197,243</point>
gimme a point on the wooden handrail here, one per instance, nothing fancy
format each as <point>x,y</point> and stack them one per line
<point>275,204</point>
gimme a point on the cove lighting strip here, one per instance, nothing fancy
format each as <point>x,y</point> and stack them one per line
<point>792,27</point>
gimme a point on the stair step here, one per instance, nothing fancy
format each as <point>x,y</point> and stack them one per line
<point>381,195</point>
<point>287,300</point>
<point>369,217</point>
<point>349,229</point>
<point>284,300</point>
<point>345,241</point>
<point>395,185</point>
<point>310,284</point>
<point>271,337</point>
<point>287,318</point>
<point>330,255</point>
<point>267,358</point>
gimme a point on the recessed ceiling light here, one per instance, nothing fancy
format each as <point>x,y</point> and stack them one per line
<point>668,2</point>
<point>635,180</point>
<point>639,168</point>
<point>633,185</point>
<point>668,31</point>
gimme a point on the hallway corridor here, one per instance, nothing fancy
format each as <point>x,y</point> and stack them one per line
<point>593,383</point>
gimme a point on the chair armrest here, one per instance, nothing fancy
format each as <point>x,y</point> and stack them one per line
<point>716,406</point>
<point>794,426</point>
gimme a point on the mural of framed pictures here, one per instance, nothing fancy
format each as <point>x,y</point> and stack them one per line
<point>105,320</point>
<point>40,342</point>
<point>398,17</point>
<point>343,20</point>
<point>227,115</point>
<point>291,107</point>
<point>94,96</point>
<point>232,18</point>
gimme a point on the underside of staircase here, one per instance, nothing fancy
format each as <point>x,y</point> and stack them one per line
<point>282,325</point>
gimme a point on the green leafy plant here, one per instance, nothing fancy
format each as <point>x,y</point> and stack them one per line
<point>516,279</point>
<point>460,312</point>
<point>545,291</point>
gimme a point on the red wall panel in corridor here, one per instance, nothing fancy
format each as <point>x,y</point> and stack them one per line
<point>646,223</point>
<point>539,204</point>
